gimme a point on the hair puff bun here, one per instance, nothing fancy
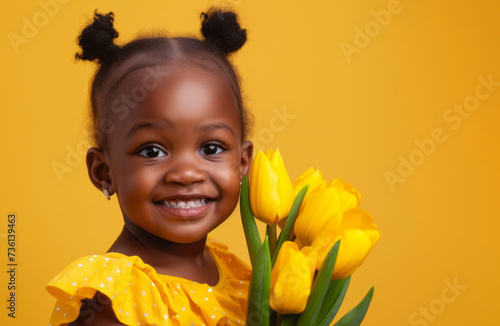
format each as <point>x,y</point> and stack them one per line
<point>96,40</point>
<point>221,28</point>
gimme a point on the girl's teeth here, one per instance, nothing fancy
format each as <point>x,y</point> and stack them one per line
<point>185,204</point>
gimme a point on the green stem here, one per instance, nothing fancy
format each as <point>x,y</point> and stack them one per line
<point>279,319</point>
<point>248,221</point>
<point>271,230</point>
<point>290,320</point>
<point>260,282</point>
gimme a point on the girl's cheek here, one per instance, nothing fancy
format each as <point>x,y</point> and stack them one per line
<point>229,174</point>
<point>139,181</point>
<point>224,177</point>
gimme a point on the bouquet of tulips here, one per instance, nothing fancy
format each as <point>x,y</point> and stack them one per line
<point>301,276</point>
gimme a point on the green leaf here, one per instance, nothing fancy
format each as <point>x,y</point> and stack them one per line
<point>319,288</point>
<point>260,285</point>
<point>333,300</point>
<point>356,315</point>
<point>249,226</point>
<point>290,221</point>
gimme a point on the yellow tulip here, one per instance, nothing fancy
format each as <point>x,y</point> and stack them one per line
<point>271,192</point>
<point>291,278</point>
<point>323,203</point>
<point>311,177</point>
<point>358,235</point>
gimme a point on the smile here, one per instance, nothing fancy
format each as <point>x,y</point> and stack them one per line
<point>185,208</point>
<point>183,203</point>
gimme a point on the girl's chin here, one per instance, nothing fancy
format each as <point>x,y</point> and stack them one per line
<point>184,235</point>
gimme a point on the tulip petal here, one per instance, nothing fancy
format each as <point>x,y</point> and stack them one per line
<point>319,187</point>
<point>357,218</point>
<point>320,207</point>
<point>284,186</point>
<point>354,247</point>
<point>373,235</point>
<point>311,177</point>
<point>349,196</point>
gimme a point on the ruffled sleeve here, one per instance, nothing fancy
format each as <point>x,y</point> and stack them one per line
<point>140,296</point>
<point>111,274</point>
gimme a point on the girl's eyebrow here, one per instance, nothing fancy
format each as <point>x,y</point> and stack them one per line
<point>142,125</point>
<point>220,125</point>
<point>163,124</point>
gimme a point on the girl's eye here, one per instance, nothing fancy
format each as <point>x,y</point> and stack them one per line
<point>152,151</point>
<point>211,149</point>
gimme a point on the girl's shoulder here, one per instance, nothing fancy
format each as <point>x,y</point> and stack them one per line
<point>139,295</point>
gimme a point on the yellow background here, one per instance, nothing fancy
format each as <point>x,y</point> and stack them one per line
<point>354,116</point>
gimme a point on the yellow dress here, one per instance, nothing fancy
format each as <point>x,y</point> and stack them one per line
<point>141,296</point>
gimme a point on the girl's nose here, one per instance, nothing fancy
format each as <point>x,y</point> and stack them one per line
<point>185,171</point>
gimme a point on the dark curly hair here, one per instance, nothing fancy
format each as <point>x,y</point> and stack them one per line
<point>222,36</point>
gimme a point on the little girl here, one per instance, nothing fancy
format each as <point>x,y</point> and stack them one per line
<point>170,131</point>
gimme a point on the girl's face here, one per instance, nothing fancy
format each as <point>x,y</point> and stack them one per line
<point>176,158</point>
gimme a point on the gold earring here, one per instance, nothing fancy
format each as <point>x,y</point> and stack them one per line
<point>106,193</point>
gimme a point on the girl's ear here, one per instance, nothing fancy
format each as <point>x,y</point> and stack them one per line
<point>246,157</point>
<point>99,171</point>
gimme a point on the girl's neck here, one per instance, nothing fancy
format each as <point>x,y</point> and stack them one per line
<point>146,243</point>
<point>166,257</point>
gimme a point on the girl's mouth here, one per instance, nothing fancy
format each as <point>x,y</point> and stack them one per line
<point>183,203</point>
<point>185,208</point>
